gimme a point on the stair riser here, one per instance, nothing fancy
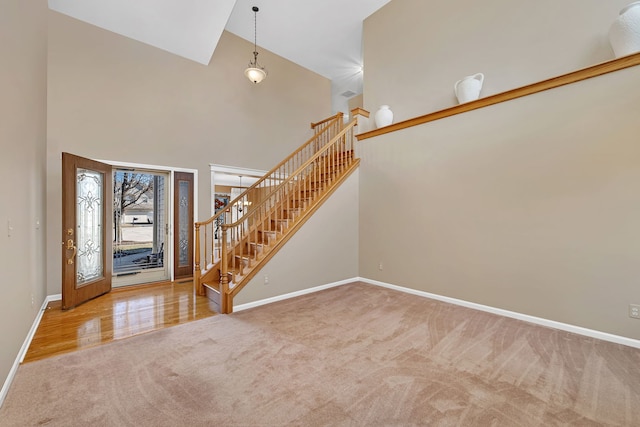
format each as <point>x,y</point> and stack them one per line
<point>241,262</point>
<point>326,167</point>
<point>318,184</point>
<point>267,237</point>
<point>337,155</point>
<point>291,213</point>
<point>301,203</point>
<point>305,194</point>
<point>279,225</point>
<point>214,297</point>
<point>255,248</point>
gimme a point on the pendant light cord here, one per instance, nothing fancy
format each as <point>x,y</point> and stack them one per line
<point>255,34</point>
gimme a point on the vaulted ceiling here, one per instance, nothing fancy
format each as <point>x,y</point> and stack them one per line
<point>323,36</point>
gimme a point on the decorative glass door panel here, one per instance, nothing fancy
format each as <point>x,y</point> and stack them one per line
<point>183,224</point>
<point>89,190</point>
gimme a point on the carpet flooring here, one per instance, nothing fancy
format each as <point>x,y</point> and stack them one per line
<point>354,355</point>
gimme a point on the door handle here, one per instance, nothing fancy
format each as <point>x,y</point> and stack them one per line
<point>71,246</point>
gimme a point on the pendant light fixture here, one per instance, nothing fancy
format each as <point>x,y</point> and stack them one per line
<point>255,72</point>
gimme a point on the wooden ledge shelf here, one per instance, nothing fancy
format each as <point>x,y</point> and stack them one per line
<point>573,77</point>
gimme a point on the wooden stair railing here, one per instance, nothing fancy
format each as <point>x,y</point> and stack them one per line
<point>208,247</point>
<point>255,237</point>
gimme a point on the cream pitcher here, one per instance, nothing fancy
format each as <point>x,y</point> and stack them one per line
<point>468,88</point>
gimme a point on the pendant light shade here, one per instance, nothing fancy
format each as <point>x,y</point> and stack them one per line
<point>255,72</point>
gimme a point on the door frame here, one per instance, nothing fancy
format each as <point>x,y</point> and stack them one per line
<point>170,197</point>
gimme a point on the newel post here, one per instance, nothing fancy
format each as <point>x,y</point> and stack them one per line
<point>363,125</point>
<point>224,272</point>
<point>198,272</point>
<point>362,116</point>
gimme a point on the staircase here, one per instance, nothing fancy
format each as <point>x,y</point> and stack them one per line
<point>233,245</point>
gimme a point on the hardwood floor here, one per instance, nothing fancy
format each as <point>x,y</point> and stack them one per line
<point>122,313</point>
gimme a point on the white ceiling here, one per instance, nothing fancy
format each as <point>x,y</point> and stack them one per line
<point>323,36</point>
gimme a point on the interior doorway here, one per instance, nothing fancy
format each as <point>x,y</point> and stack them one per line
<point>228,182</point>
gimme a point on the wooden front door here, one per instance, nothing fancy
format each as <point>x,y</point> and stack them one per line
<point>183,225</point>
<point>87,198</point>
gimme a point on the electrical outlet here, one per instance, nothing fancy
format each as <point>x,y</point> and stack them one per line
<point>266,279</point>
<point>379,266</point>
<point>634,311</point>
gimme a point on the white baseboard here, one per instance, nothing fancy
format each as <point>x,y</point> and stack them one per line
<point>293,294</point>
<point>514,315</point>
<point>630,342</point>
<point>54,297</point>
<point>25,346</point>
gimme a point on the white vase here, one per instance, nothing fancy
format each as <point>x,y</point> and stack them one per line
<point>624,34</point>
<point>468,88</point>
<point>384,116</point>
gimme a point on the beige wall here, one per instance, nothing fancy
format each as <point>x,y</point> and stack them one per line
<point>23,44</point>
<point>324,250</point>
<point>356,102</point>
<point>531,205</point>
<point>116,99</point>
<point>415,51</point>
